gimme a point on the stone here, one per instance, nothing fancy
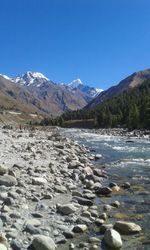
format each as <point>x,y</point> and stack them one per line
<point>8,180</point>
<point>39,181</point>
<point>98,156</point>
<point>107,207</point>
<point>16,244</point>
<point>99,222</point>
<point>33,222</point>
<point>103,216</point>
<point>66,209</point>
<point>32,229</point>
<point>127,227</point>
<point>71,246</point>
<point>104,227</point>
<point>115,204</point>
<point>42,242</point>
<point>126,185</point>
<point>3,169</point>
<point>3,247</point>
<point>81,228</point>
<point>113,239</point>
<point>68,234</point>
<point>83,201</point>
<point>104,191</point>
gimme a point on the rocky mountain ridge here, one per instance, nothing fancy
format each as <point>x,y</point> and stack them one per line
<point>130,82</point>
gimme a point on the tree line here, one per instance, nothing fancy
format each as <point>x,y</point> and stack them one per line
<point>130,109</point>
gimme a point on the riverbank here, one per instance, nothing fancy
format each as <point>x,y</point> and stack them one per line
<point>138,133</point>
<point>51,187</point>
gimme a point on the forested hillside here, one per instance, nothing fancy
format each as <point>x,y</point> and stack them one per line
<point>130,109</point>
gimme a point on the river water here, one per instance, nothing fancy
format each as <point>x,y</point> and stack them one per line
<point>124,160</point>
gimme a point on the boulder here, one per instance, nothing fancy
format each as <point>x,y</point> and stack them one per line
<point>127,227</point>
<point>8,180</point>
<point>66,209</point>
<point>81,228</point>
<point>3,169</point>
<point>42,242</point>
<point>104,191</point>
<point>83,201</point>
<point>113,239</point>
<point>39,181</point>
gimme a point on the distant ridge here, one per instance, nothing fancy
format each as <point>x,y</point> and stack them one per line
<point>131,81</point>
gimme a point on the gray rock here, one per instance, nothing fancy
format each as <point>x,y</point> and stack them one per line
<point>42,242</point>
<point>81,228</point>
<point>32,229</point>
<point>16,245</point>
<point>104,191</point>
<point>104,227</point>
<point>83,201</point>
<point>127,227</point>
<point>3,169</point>
<point>112,238</point>
<point>8,180</point>
<point>66,209</point>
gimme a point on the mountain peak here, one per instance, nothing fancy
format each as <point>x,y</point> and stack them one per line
<point>75,83</point>
<point>31,78</point>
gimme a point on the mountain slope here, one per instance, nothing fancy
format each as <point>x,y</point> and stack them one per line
<point>15,97</point>
<point>130,82</point>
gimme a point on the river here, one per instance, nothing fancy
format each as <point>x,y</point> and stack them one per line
<point>125,161</point>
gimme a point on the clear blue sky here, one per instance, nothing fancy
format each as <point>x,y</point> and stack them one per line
<point>98,41</point>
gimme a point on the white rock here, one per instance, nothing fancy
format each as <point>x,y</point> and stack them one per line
<point>3,247</point>
<point>112,238</point>
<point>39,181</point>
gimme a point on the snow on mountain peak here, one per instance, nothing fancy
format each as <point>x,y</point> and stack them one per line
<point>75,83</point>
<point>31,78</point>
<point>6,77</point>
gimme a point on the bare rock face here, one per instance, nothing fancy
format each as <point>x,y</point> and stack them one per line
<point>127,227</point>
<point>113,239</point>
<point>42,242</point>
<point>8,180</point>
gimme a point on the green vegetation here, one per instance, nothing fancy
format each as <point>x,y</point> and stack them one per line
<point>131,109</point>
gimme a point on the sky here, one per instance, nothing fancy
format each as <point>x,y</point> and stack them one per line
<point>99,41</point>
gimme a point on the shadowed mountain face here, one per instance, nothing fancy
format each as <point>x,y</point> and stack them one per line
<point>36,93</point>
<point>130,82</point>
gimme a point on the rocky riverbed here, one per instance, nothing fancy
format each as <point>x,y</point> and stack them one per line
<point>52,196</point>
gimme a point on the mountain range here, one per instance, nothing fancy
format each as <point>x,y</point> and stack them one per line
<point>34,92</point>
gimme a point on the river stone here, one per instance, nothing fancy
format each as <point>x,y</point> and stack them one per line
<point>42,242</point>
<point>39,181</point>
<point>83,201</point>
<point>66,209</point>
<point>81,228</point>
<point>3,169</point>
<point>33,222</point>
<point>104,190</point>
<point>8,180</point>
<point>127,227</point>
<point>112,238</point>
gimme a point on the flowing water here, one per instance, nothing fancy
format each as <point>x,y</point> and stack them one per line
<point>125,160</point>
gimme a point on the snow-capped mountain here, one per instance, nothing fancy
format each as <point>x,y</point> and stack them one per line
<point>47,96</point>
<point>31,78</point>
<point>79,85</point>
